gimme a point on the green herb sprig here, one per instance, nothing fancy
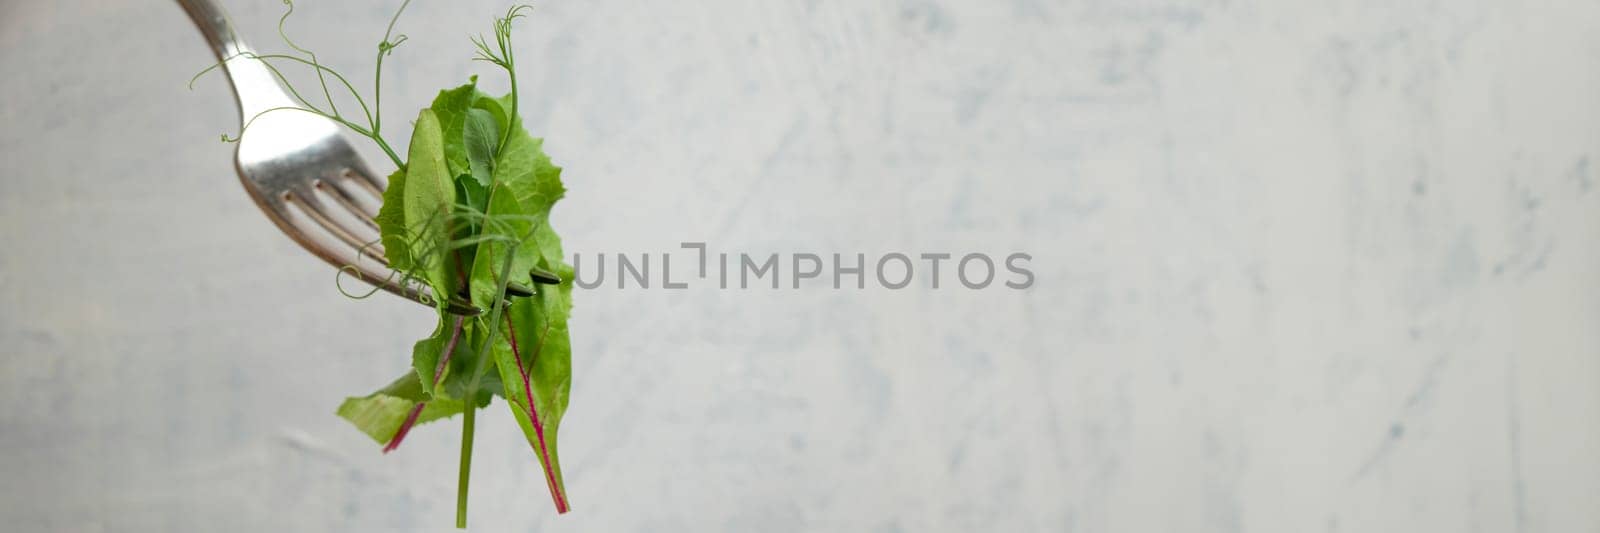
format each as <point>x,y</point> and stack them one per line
<point>466,213</point>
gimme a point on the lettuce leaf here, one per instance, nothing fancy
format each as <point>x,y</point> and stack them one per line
<point>535,358</point>
<point>478,188</point>
<point>381,413</point>
<point>428,201</point>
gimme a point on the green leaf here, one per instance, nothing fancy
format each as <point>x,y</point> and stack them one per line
<point>459,376</point>
<point>451,108</point>
<point>428,201</point>
<point>524,165</point>
<point>512,204</point>
<point>473,195</point>
<point>426,353</point>
<point>472,199</point>
<point>381,413</point>
<point>537,374</point>
<point>482,138</point>
<point>527,169</point>
<point>496,108</point>
<point>470,208</point>
<point>508,228</point>
<point>391,221</point>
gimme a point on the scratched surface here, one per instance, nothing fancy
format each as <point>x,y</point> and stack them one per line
<point>1301,266</point>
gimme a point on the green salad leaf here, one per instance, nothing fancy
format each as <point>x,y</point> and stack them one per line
<point>381,414</point>
<point>467,215</point>
<point>391,222</point>
<point>451,107</point>
<point>428,200</point>
<point>482,139</point>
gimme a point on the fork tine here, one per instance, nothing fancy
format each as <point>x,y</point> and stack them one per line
<point>317,211</point>
<point>343,197</point>
<point>367,181</point>
<point>300,224</point>
<point>371,249</point>
<point>387,282</point>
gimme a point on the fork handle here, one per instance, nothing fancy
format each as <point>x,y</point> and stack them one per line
<point>255,87</point>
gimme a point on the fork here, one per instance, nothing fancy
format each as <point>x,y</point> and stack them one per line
<point>302,172</point>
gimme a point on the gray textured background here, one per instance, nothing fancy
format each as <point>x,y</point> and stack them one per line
<point>1302,266</point>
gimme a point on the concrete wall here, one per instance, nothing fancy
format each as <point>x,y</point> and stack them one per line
<point>1301,266</point>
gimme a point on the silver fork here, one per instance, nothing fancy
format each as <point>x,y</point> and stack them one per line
<point>302,172</point>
